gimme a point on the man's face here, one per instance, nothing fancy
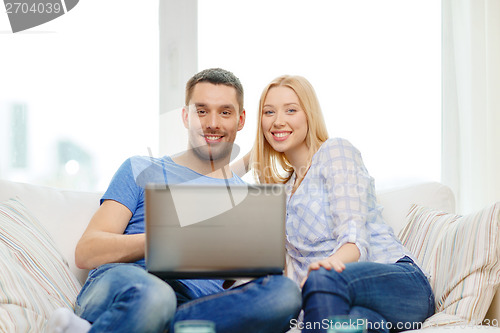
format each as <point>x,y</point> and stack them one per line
<point>212,118</point>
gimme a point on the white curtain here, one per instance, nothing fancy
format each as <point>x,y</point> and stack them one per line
<point>471,101</point>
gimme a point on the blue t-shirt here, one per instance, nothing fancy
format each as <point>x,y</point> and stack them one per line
<point>127,187</point>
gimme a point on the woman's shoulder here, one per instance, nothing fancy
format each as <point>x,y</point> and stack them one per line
<point>338,147</point>
<point>337,155</point>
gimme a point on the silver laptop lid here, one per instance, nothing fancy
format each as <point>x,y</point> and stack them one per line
<point>215,231</point>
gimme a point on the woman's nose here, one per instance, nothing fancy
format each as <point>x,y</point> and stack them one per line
<point>279,120</point>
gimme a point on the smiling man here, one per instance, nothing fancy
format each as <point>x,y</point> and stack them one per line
<point>119,295</point>
<point>213,115</point>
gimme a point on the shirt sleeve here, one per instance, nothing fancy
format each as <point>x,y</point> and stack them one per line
<point>347,186</point>
<point>123,187</point>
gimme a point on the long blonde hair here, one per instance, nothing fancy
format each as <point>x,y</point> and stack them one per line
<point>270,166</point>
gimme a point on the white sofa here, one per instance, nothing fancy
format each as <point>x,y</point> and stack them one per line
<point>65,215</point>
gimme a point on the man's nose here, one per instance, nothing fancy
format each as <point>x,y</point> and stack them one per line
<point>212,121</point>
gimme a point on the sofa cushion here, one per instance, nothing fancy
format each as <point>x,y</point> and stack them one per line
<point>462,255</point>
<point>64,214</point>
<point>35,278</point>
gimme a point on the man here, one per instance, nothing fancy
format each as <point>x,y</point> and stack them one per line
<point>119,295</point>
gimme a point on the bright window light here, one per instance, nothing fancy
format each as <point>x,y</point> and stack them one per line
<point>81,91</point>
<point>375,65</point>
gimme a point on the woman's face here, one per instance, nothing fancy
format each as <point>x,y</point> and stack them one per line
<point>284,122</point>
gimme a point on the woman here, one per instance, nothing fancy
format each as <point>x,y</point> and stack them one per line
<point>340,250</point>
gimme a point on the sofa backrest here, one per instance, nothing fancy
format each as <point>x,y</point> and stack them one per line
<point>65,213</point>
<point>397,201</point>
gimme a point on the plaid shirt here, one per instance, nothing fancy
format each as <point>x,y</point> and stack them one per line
<point>336,204</point>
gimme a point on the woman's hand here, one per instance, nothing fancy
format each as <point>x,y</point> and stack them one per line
<point>348,252</point>
<point>329,263</point>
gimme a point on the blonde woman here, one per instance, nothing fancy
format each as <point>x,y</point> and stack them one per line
<point>346,258</point>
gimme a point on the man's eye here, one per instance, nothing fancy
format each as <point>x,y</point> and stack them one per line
<point>226,113</point>
<point>201,111</point>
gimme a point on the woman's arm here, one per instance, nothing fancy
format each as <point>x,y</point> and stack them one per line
<point>241,166</point>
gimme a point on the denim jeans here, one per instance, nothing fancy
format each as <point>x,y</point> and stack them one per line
<point>125,298</point>
<point>390,297</point>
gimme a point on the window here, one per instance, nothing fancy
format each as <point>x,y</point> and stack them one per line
<point>79,94</point>
<point>375,65</point>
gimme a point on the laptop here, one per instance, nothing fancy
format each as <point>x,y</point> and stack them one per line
<point>215,231</point>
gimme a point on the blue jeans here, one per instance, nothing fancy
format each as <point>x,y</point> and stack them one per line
<point>125,298</point>
<point>390,297</point>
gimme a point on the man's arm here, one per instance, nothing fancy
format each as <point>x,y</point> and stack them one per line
<point>104,242</point>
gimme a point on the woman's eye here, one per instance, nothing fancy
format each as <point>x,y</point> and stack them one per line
<point>291,110</point>
<point>268,112</point>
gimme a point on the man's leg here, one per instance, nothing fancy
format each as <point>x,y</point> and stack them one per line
<point>264,305</point>
<point>125,298</point>
<point>188,290</point>
<point>398,294</point>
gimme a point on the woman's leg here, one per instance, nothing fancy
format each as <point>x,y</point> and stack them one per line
<point>125,298</point>
<point>391,296</point>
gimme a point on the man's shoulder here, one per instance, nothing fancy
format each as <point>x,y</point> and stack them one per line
<point>142,162</point>
<point>146,169</point>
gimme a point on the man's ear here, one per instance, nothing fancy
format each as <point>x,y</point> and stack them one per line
<point>185,116</point>
<point>241,120</point>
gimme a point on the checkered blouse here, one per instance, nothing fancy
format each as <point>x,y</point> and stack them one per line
<point>336,204</point>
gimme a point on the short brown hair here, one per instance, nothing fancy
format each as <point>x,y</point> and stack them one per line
<point>216,76</point>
